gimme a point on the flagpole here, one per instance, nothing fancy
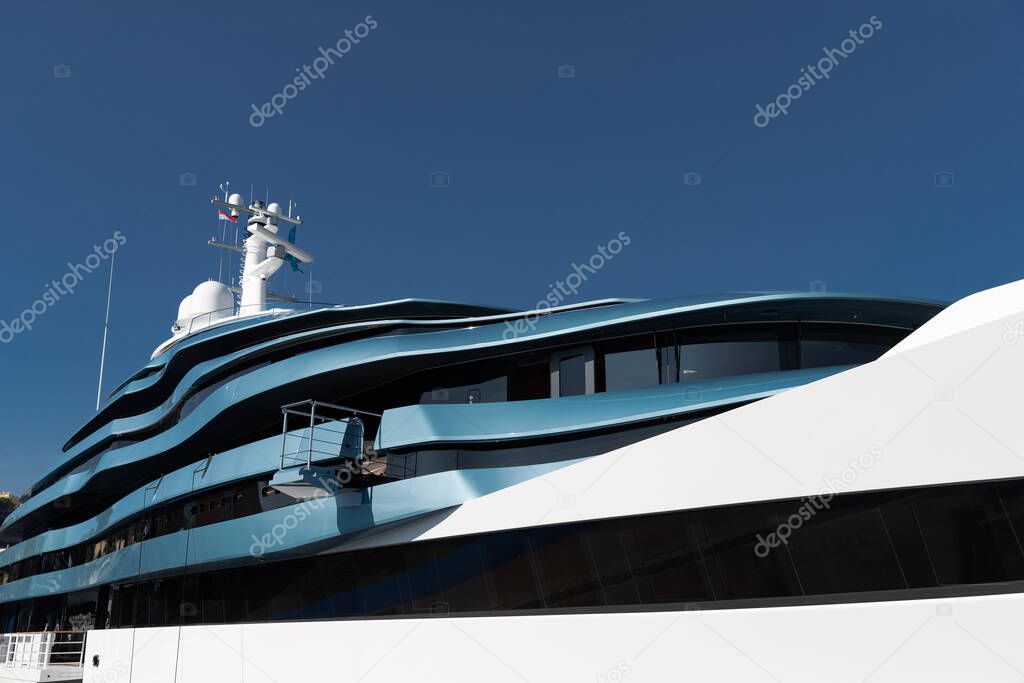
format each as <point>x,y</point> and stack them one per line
<point>220,263</point>
<point>106,325</point>
<point>223,234</point>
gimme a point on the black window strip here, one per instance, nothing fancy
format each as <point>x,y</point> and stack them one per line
<point>731,556</point>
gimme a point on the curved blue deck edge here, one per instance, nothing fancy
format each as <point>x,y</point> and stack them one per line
<point>332,358</point>
<point>258,457</point>
<point>431,424</point>
<point>254,537</point>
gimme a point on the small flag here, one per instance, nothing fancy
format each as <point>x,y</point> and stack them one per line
<point>221,216</point>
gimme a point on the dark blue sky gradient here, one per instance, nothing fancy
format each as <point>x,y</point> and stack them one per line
<point>542,169</point>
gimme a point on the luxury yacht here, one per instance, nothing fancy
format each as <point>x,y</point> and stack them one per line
<point>789,486</point>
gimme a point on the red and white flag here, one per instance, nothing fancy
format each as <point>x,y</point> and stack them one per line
<point>221,216</point>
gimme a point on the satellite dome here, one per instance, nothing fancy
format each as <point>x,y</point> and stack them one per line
<point>185,308</point>
<point>212,300</point>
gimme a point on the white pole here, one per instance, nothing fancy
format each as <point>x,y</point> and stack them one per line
<point>220,264</point>
<point>106,325</point>
<point>223,233</point>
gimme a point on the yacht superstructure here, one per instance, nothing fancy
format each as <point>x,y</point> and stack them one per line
<point>725,487</point>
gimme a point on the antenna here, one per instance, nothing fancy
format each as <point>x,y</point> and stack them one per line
<point>265,251</point>
<point>264,246</point>
<point>223,232</point>
<point>106,326</point>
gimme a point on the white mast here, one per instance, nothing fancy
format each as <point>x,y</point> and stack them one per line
<point>264,252</point>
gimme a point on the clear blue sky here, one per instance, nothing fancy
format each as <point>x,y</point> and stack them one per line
<point>542,169</point>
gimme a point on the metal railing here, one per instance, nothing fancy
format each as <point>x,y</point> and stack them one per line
<point>328,430</point>
<point>42,649</point>
<point>202,321</point>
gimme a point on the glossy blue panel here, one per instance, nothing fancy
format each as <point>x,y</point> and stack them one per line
<point>232,326</point>
<point>283,530</point>
<point>324,360</point>
<point>568,318</point>
<point>239,463</point>
<point>420,425</point>
<point>163,552</point>
<point>113,567</point>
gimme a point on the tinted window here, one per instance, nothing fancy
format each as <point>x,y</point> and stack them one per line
<point>845,553</point>
<point>738,570</point>
<point>816,353</point>
<point>510,563</point>
<point>486,391</point>
<point>671,567</point>
<point>706,360</point>
<point>572,376</point>
<point>857,544</point>
<point>969,537</point>
<point>528,382</point>
<point>668,358</point>
<point>822,345</point>
<point>567,571</point>
<point>612,550</point>
<point>632,369</point>
<point>903,528</point>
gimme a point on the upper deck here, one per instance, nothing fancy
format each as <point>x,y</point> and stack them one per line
<point>221,387</point>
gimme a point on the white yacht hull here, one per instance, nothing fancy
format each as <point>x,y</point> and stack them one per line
<point>975,638</point>
<point>936,409</point>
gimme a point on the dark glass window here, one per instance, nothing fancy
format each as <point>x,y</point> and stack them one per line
<point>670,563</point>
<point>567,572</point>
<point>611,550</point>
<point>486,391</point>
<point>668,358</point>
<point>462,580</point>
<point>969,537</point>
<point>708,360</point>
<point>527,382</point>
<point>825,345</point>
<point>632,364</point>
<point>510,561</point>
<point>859,544</point>
<point>738,569</point>
<point>817,353</point>
<point>572,376</point>
<point>901,523</point>
<point>844,553</point>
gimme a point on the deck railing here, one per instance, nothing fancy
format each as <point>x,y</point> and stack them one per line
<point>42,649</point>
<point>327,431</point>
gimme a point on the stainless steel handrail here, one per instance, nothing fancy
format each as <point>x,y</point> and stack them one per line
<point>328,413</point>
<point>239,311</point>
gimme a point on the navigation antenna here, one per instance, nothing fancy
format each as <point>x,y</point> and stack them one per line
<point>223,232</point>
<point>264,249</point>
